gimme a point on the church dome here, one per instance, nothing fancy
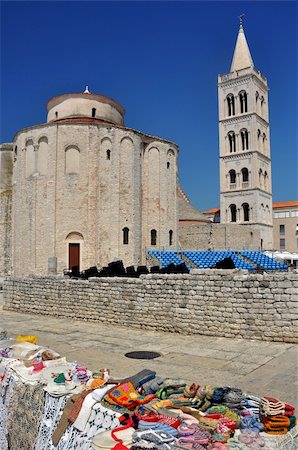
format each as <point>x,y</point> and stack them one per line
<point>89,105</point>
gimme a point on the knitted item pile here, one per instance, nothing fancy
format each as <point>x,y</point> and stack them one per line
<point>277,417</point>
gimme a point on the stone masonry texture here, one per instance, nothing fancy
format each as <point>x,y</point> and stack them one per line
<point>226,303</point>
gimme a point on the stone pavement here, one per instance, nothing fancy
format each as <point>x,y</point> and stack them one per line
<point>258,367</point>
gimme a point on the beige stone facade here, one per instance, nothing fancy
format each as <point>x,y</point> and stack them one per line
<point>285,226</point>
<point>90,182</point>
<point>6,162</point>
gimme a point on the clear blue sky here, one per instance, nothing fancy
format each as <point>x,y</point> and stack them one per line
<point>160,60</point>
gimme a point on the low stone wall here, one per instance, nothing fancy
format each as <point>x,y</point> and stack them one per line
<point>227,303</point>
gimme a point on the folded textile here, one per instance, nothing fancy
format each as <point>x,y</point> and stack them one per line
<point>153,385</point>
<point>160,418</point>
<point>99,393</point>
<point>126,395</point>
<point>140,378</point>
<point>252,423</point>
<point>63,422</point>
<point>156,436</point>
<point>278,424</point>
<point>146,445</point>
<point>270,406</point>
<point>190,390</point>
<point>85,412</point>
<point>72,416</point>
<point>157,427</point>
<point>105,439</point>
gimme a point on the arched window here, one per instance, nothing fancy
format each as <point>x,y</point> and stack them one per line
<point>108,154</point>
<point>72,160</point>
<point>243,101</point>
<point>257,96</point>
<point>245,208</point>
<point>265,180</point>
<point>262,102</point>
<point>42,156</point>
<point>153,237</point>
<point>264,141</point>
<point>231,105</point>
<point>125,232</point>
<point>170,237</point>
<point>232,174</point>
<point>233,212</point>
<point>56,114</point>
<point>30,158</point>
<point>260,178</point>
<point>168,165</point>
<point>93,112</point>
<point>259,133</point>
<point>232,141</point>
<point>244,139</point>
<point>244,174</point>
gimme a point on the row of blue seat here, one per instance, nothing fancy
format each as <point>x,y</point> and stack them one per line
<point>206,259</point>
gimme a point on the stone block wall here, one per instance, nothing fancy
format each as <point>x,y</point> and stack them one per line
<point>219,236</point>
<point>229,303</point>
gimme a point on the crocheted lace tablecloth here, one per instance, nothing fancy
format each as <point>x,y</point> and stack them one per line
<point>287,441</point>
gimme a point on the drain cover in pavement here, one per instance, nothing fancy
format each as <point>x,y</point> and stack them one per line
<point>142,355</point>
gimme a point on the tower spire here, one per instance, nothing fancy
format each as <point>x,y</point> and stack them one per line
<point>242,57</point>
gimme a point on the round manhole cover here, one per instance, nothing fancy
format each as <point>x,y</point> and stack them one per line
<point>142,355</point>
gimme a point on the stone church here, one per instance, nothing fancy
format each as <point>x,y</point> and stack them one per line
<point>83,189</point>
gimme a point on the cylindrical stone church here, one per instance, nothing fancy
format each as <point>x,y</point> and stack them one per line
<point>87,190</point>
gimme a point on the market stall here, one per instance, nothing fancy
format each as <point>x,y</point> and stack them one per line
<point>48,403</point>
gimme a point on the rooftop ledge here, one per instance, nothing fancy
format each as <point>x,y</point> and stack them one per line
<point>241,73</point>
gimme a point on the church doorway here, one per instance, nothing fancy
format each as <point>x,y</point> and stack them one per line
<point>74,256</point>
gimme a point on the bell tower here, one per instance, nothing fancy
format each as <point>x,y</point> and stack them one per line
<point>245,164</point>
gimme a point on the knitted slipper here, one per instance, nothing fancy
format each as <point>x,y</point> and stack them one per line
<point>186,430</point>
<point>190,390</point>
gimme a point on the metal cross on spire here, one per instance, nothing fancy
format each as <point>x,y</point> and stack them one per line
<point>241,19</point>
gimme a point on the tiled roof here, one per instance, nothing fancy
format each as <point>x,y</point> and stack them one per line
<point>275,205</point>
<point>285,204</point>
<point>211,211</point>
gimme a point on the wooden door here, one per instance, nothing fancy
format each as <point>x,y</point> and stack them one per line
<point>74,256</point>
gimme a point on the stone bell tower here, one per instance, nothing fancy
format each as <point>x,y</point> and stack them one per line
<point>245,164</point>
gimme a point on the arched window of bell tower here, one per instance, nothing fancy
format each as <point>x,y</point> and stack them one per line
<point>244,172</point>
<point>265,180</point>
<point>233,213</point>
<point>260,178</point>
<point>264,142</point>
<point>243,102</point>
<point>231,104</point>
<point>232,174</point>
<point>245,207</point>
<point>262,103</point>
<point>244,139</point>
<point>232,141</point>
